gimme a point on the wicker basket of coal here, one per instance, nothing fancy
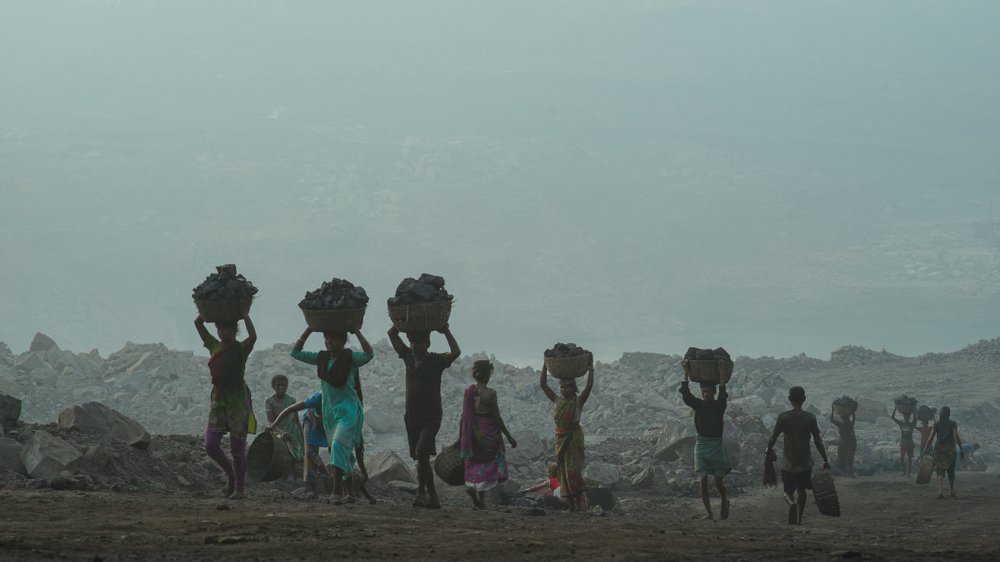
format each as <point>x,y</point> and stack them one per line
<point>337,306</point>
<point>845,406</point>
<point>926,413</point>
<point>420,305</point>
<point>708,366</point>
<point>567,361</point>
<point>906,405</point>
<point>224,296</point>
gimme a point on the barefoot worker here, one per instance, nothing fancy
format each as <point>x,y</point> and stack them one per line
<point>569,435</point>
<point>343,412</point>
<point>312,426</point>
<point>480,436</point>
<point>423,403</point>
<point>797,426</point>
<point>276,404</point>
<point>231,410</point>
<point>906,427</point>
<point>948,443</point>
<point>847,445</point>
<point>710,455</point>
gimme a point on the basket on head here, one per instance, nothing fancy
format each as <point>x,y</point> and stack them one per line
<point>341,320</point>
<point>267,458</point>
<point>708,371</point>
<point>450,466</point>
<point>845,409</point>
<point>223,311</point>
<point>568,367</point>
<point>825,494</point>
<point>906,407</point>
<point>926,414</point>
<point>420,317</point>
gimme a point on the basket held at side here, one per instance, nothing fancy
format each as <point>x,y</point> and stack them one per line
<point>450,466</point>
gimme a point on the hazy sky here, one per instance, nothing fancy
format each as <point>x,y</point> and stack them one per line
<point>631,176</point>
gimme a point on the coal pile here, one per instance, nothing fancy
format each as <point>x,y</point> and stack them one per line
<point>336,294</point>
<point>226,285</point>
<point>693,353</point>
<point>428,288</point>
<point>846,401</point>
<point>562,350</point>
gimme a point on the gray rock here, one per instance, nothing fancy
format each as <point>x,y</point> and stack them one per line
<point>144,441</point>
<point>529,444</point>
<point>41,342</point>
<point>45,456</point>
<point>98,456</point>
<point>386,467</point>
<point>10,411</point>
<point>644,479</point>
<point>407,487</point>
<point>870,410</point>
<point>379,422</point>
<point>10,456</point>
<point>601,474</point>
<point>94,418</point>
<point>28,362</point>
<point>676,433</point>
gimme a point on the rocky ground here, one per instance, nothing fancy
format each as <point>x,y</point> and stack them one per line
<point>884,518</point>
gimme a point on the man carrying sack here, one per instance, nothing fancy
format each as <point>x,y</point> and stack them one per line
<point>710,455</point>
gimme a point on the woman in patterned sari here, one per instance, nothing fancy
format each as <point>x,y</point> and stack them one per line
<point>569,434</point>
<point>231,410</point>
<point>948,447</point>
<point>480,436</point>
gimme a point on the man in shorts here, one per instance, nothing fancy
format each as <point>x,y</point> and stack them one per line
<point>423,403</point>
<point>906,427</point>
<point>797,426</point>
<point>710,455</point>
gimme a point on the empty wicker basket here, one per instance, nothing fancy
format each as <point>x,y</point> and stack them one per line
<point>267,458</point>
<point>343,320</point>
<point>420,317</point>
<point>825,494</point>
<point>450,466</point>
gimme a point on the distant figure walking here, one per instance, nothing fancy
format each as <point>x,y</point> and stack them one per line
<point>569,435</point>
<point>948,446</point>
<point>906,427</point>
<point>231,410</point>
<point>797,426</point>
<point>847,445</point>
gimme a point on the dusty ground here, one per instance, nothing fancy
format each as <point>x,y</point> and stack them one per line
<point>885,518</point>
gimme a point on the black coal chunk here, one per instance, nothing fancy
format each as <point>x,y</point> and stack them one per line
<point>562,350</point>
<point>428,288</point>
<point>707,354</point>
<point>225,284</point>
<point>336,294</point>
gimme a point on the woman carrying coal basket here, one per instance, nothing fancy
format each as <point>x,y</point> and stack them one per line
<point>480,436</point>
<point>231,410</point>
<point>343,413</point>
<point>569,435</point>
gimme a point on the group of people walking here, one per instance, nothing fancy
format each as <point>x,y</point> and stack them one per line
<point>334,416</point>
<point>334,419</point>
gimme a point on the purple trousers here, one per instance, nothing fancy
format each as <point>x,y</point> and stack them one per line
<point>235,469</point>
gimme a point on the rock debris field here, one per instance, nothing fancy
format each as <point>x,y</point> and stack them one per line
<point>132,422</point>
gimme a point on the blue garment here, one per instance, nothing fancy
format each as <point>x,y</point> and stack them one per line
<point>317,437</point>
<point>968,449</point>
<point>343,416</point>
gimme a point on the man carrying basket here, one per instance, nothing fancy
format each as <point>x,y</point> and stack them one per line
<point>710,455</point>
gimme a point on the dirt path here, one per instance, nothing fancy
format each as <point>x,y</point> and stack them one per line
<point>885,518</point>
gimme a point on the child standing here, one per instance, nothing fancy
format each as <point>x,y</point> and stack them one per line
<point>274,405</point>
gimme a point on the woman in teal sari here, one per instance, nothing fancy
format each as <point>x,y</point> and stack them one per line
<point>343,413</point>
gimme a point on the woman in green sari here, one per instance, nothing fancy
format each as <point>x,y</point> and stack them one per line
<point>569,435</point>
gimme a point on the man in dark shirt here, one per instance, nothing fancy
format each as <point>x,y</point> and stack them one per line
<point>423,403</point>
<point>797,425</point>
<point>710,455</point>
